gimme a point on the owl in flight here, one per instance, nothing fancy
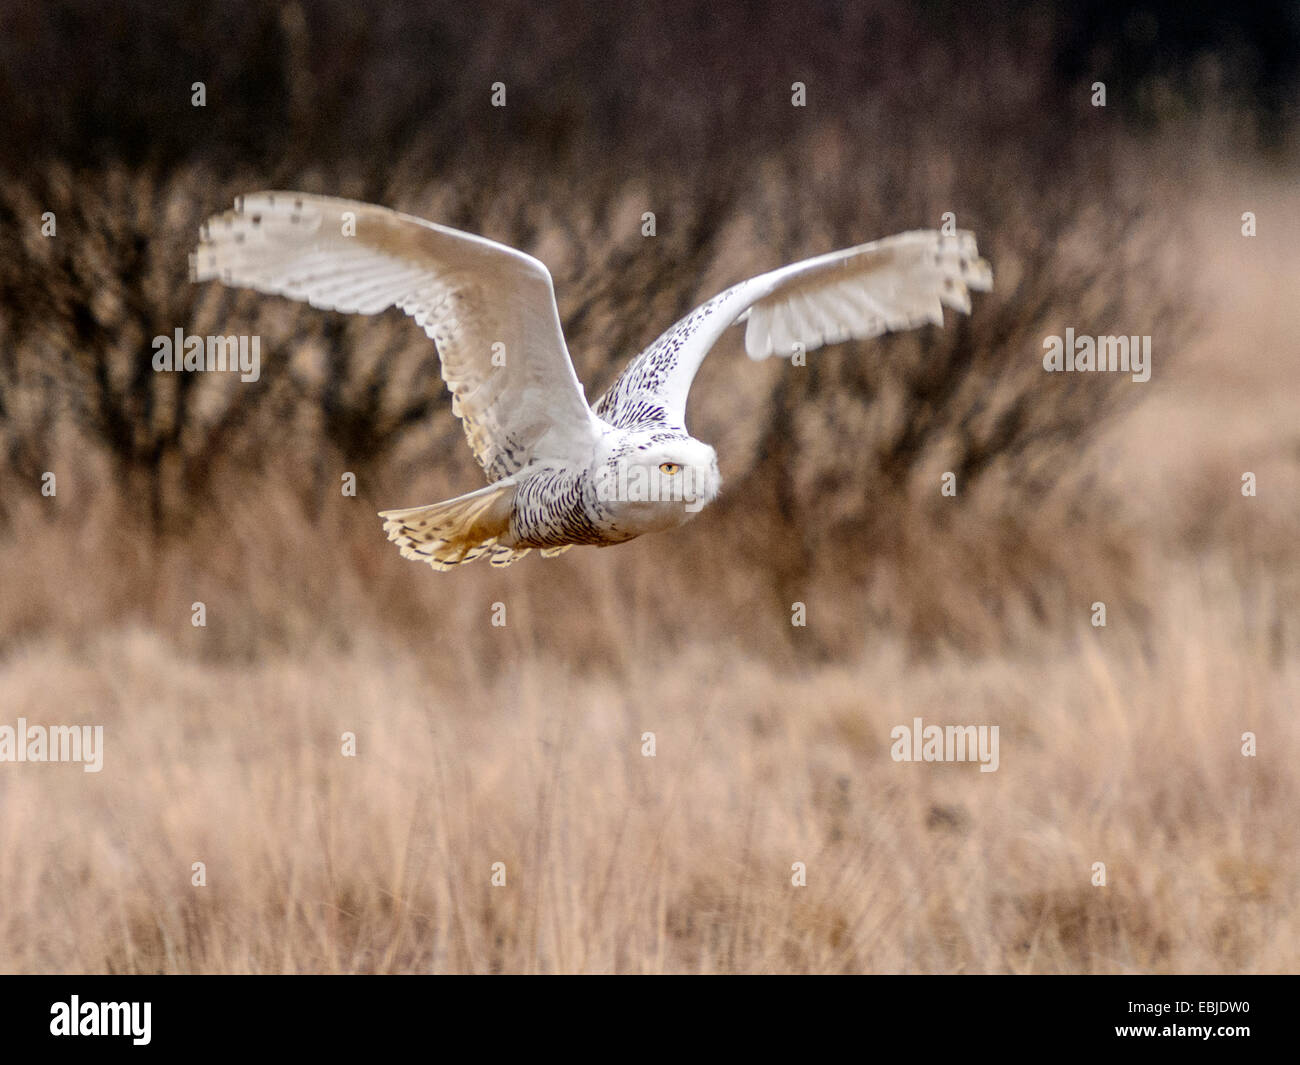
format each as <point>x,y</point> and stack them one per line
<point>562,472</point>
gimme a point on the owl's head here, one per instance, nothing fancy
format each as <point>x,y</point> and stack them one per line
<point>659,479</point>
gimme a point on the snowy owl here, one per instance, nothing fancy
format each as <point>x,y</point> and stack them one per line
<point>562,472</point>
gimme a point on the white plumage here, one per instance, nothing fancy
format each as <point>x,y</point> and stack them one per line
<point>562,472</point>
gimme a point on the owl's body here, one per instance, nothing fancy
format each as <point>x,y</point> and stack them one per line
<point>622,493</point>
<point>563,473</point>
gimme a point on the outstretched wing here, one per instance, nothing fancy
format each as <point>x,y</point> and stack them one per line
<point>890,284</point>
<point>490,309</point>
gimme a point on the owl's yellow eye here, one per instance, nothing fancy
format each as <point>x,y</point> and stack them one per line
<point>669,468</point>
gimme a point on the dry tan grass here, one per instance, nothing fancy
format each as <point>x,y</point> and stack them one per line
<point>1112,750</point>
<point>522,745</point>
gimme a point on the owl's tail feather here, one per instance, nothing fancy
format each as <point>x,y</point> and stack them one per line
<point>457,530</point>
